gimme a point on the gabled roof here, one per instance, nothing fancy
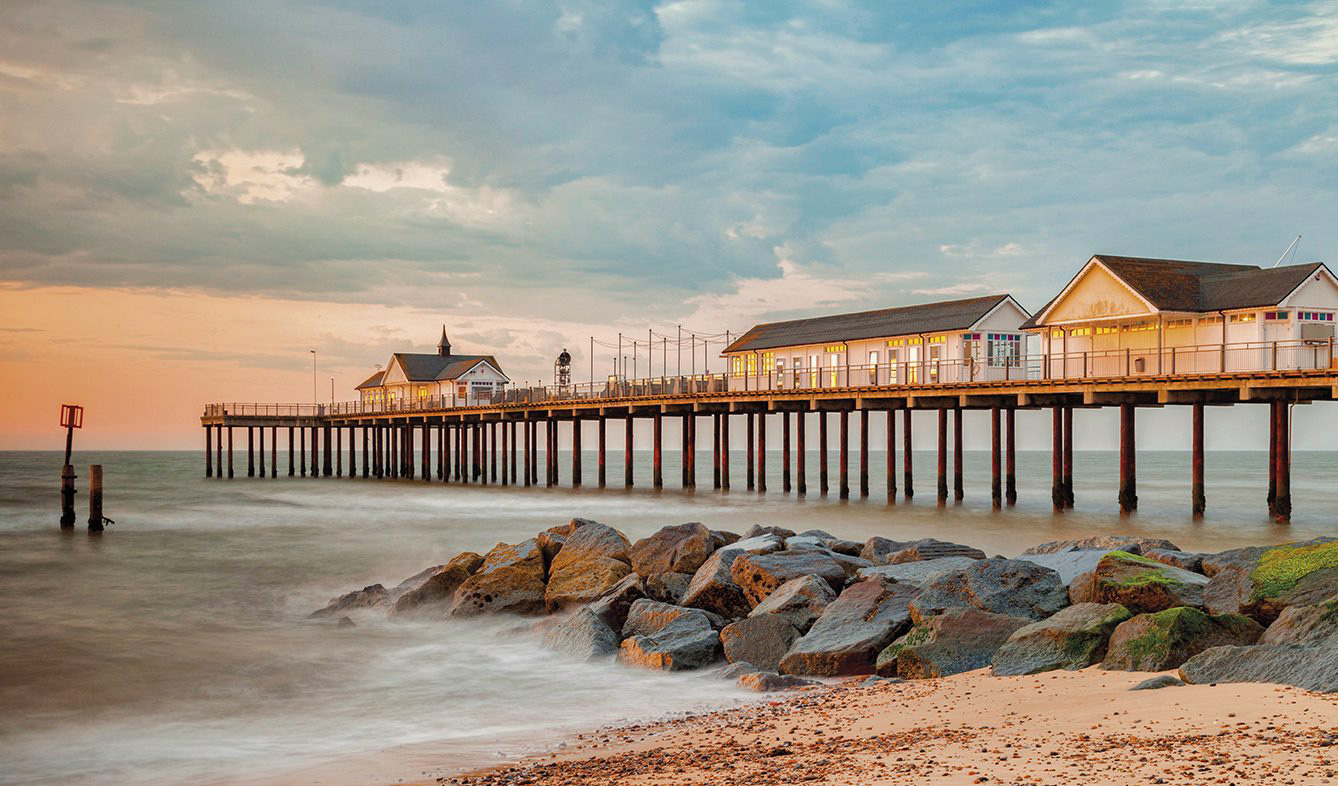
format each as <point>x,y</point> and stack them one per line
<point>431,368</point>
<point>901,321</point>
<point>372,381</point>
<point>1182,285</point>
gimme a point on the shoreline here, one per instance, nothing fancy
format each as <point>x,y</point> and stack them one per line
<point>1066,727</point>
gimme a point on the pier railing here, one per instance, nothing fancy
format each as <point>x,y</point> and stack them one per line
<point>1179,361</point>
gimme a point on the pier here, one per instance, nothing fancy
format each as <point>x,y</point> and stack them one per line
<point>435,439</point>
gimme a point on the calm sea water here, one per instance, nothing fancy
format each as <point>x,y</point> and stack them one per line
<point>176,649</point>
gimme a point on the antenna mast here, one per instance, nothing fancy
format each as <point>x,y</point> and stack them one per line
<point>1291,249</point>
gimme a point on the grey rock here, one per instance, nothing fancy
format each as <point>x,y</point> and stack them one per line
<point>917,573</point>
<point>800,601</point>
<point>1159,682</point>
<point>612,607</point>
<point>647,617</point>
<point>1180,559</point>
<point>676,549</point>
<point>873,680</point>
<point>584,634</point>
<point>365,598</point>
<point>762,641</point>
<point>1068,564</point>
<point>1003,586</point>
<point>416,580</point>
<point>723,537</point>
<point>771,682</point>
<point>668,587</point>
<point>1305,625</point>
<point>550,543</point>
<point>757,530</point>
<point>1261,582</point>
<point>511,580</point>
<point>1312,667</point>
<point>593,559</point>
<point>881,551</point>
<point>854,628</point>
<point>1131,543</point>
<point>433,597</point>
<point>686,642</point>
<point>712,588</point>
<point>735,670</point>
<point>346,622</point>
<point>1074,638</point>
<point>1166,639</point>
<point>958,640</point>
<point>758,575</point>
<point>1138,583</point>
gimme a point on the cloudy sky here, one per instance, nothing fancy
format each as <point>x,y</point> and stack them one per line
<point>193,195</point>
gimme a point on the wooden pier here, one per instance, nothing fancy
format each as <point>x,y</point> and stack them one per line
<point>470,443</point>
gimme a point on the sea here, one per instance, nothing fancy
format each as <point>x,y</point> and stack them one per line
<point>176,647</point>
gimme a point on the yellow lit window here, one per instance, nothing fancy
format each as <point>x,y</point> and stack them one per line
<point>897,342</point>
<point>1179,323</point>
<point>1082,331</point>
<point>768,362</point>
<point>1242,317</point>
<point>937,339</point>
<point>836,348</point>
<point>916,340</point>
<point>752,363</point>
<point>1057,333</point>
<point>1104,330</point>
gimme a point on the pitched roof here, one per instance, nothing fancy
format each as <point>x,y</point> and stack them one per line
<point>901,321</point>
<point>429,368</point>
<point>372,381</point>
<point>1182,285</point>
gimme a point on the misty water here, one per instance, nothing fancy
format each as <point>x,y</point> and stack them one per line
<point>176,648</point>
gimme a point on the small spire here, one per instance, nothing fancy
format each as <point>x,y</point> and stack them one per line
<point>444,345</point>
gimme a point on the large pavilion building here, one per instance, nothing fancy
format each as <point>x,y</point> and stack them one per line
<point>441,379</point>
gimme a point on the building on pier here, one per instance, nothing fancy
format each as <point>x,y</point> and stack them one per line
<point>953,341</point>
<point>1125,316</point>
<point>417,380</point>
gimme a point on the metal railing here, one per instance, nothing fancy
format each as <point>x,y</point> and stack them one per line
<point>1183,361</point>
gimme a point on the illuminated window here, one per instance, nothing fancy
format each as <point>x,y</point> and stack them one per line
<point>1242,317</point>
<point>937,339</point>
<point>914,341</point>
<point>752,363</point>
<point>768,362</point>
<point>1179,323</point>
<point>836,348</point>
<point>1082,331</point>
<point>1105,330</point>
<point>1057,333</point>
<point>1210,320</point>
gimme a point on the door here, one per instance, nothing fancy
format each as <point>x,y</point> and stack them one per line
<point>913,365</point>
<point>935,355</point>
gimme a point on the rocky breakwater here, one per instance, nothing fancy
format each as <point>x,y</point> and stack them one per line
<point>773,608</point>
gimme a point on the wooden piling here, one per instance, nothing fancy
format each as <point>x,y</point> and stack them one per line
<point>1272,457</point>
<point>683,438</point>
<point>628,435</point>
<point>1057,458</point>
<point>908,490</point>
<point>553,451</point>
<point>315,452</point>
<point>67,496</point>
<point>1128,461</point>
<point>761,452</point>
<point>891,456</point>
<point>749,471</point>
<point>1067,479</point>
<point>692,450</point>
<point>1282,506</point>
<point>426,447</point>
<point>1010,461</point>
<point>864,452</point>
<point>229,452</point>
<point>785,452</point>
<point>1198,501</point>
<point>208,451</point>
<point>512,442</point>
<point>576,452</point>
<point>843,454</point>
<point>250,452</point>
<point>958,491</point>
<point>601,460</point>
<point>290,452</point>
<point>327,466</point>
<point>261,436</point>
<point>218,447</point>
<point>724,451</point>
<point>95,518</point>
<point>996,482</point>
<point>942,457</point>
<point>492,450</point>
<point>822,453</point>
<point>715,449</point>
<point>657,449</point>
<point>801,455</point>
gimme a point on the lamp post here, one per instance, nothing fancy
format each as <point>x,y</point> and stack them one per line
<point>315,398</point>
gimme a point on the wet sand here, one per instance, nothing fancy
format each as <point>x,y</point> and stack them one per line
<point>1082,727</point>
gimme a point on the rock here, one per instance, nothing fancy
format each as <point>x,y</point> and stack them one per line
<point>593,559</point>
<point>584,634</point>
<point>770,682</point>
<point>668,587</point>
<point>853,629</point>
<point>685,642</point>
<point>1138,583</point>
<point>1074,638</point>
<point>757,530</point>
<point>874,680</point>
<point>760,574</point>
<point>415,581</point>
<point>1261,582</point>
<point>677,549</point>
<point>647,617</point>
<point>434,597</point>
<point>346,622</point>
<point>1305,625</point>
<point>955,641</point>
<point>723,537</point>
<point>612,607</point>
<point>1130,543</point>
<point>550,543</point>
<point>735,670</point>
<point>800,601</point>
<point>762,641</point>
<point>1166,639</point>
<point>881,551</point>
<point>1180,559</point>
<point>1068,564</point>
<point>511,580</point>
<point>712,588</point>
<point>1003,586</point>
<point>1310,667</point>
<point>917,573</point>
<point>1159,682</point>
<point>365,598</point>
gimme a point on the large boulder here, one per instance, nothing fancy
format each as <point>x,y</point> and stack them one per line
<point>799,601</point>
<point>770,682</point>
<point>511,580</point>
<point>1181,559</point>
<point>1130,543</point>
<point>1261,582</point>
<point>1068,564</point>
<point>955,641</point>
<point>712,588</point>
<point>614,604</point>
<point>433,598</point>
<point>1312,667</point>
<point>1074,638</point>
<point>592,560</point>
<point>760,574</point>
<point>1138,583</point>
<point>1166,639</point>
<point>757,531</point>
<point>668,587</point>
<point>647,617</point>
<point>881,551</point>
<point>1305,625</point>
<point>583,634</point>
<point>854,628</point>
<point>365,598</point>
<point>681,548</point>
<point>1003,586</point>
<point>686,642</point>
<point>816,538</point>
<point>917,573</point>
<point>723,537</point>
<point>761,641</point>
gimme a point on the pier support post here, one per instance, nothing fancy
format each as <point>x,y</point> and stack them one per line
<point>551,450</point>
<point>208,451</point>
<point>822,453</point>
<point>1198,501</point>
<point>218,448</point>
<point>441,452</point>
<point>407,450</point>
<point>1282,505</point>
<point>447,457</point>
<point>942,457</point>
<point>1057,458</point>
<point>290,452</point>
<point>1272,458</point>
<point>302,450</point>
<point>724,451</point>
<point>785,452</point>
<point>492,450</point>
<point>512,442</point>
<point>683,451</point>
<point>1010,460</point>
<point>601,451</point>
<point>315,452</point>
<point>748,464</point>
<point>843,453</point>
<point>657,450</point>
<point>229,452</point>
<point>801,454</point>
<point>627,450</point>
<point>527,426</point>
<point>996,464</point>
<point>426,459</point>
<point>338,450</point>
<point>958,492</point>
<point>575,452</point>
<point>761,453</point>
<point>864,452</point>
<point>891,456</point>
<point>67,496</point>
<point>715,449</point>
<point>908,490</point>
<point>261,435</point>
<point>692,450</point>
<point>1068,457</point>
<point>95,518</point>
<point>502,454</point>
<point>250,452</point>
<point>1128,461</point>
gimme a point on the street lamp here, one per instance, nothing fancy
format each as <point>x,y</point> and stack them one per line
<point>315,398</point>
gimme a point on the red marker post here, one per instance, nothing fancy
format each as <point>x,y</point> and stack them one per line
<point>71,418</point>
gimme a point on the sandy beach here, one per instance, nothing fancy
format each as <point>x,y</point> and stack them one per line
<point>1084,727</point>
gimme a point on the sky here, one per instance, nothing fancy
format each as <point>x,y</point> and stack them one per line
<point>195,195</point>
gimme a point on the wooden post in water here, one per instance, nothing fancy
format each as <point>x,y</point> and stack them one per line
<point>261,435</point>
<point>218,446</point>
<point>785,452</point>
<point>426,447</point>
<point>492,449</point>
<point>627,450</point>
<point>657,449</point>
<point>527,426</point>
<point>1057,458</point>
<point>958,491</point>
<point>822,453</point>
<point>513,453</point>
<point>749,458</point>
<point>907,477</point>
<point>1128,461</point>
<point>250,452</point>
<point>891,456</point>
<point>291,468</point>
<point>715,449</point>
<point>327,464</point>
<point>274,451</point>
<point>502,435</point>
<point>95,517</point>
<point>762,452</point>
<point>601,450</point>
<point>1010,461</point>
<point>1272,457</point>
<point>1068,457</point>
<point>208,451</point>
<point>1198,501</point>
<point>551,450</point>
<point>724,451</point>
<point>683,451</point>
<point>942,457</point>
<point>67,496</point>
<point>864,452</point>
<point>315,452</point>
<point>996,484</point>
<point>843,453</point>
<point>692,450</point>
<point>1282,506</point>
<point>229,452</point>
<point>801,453</point>
<point>575,452</point>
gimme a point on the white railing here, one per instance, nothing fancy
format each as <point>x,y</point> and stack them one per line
<point>1184,361</point>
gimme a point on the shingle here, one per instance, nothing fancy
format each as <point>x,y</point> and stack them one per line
<point>901,321</point>
<point>433,367</point>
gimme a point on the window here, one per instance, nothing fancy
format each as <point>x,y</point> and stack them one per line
<point>736,364</point>
<point>1210,320</point>
<point>938,339</point>
<point>1105,330</point>
<point>768,362</point>
<point>1275,315</point>
<point>1242,317</point>
<point>836,348</point>
<point>752,363</point>
<point>873,358</point>
<point>897,342</point>
<point>1082,331</point>
<point>1315,316</point>
<point>1178,323</point>
<point>1138,327</point>
<point>1003,349</point>
<point>1057,333</point>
